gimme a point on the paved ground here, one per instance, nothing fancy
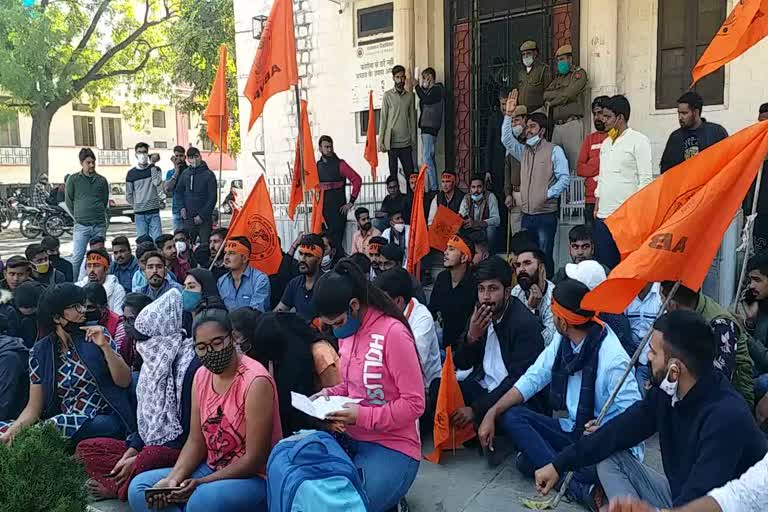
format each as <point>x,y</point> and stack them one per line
<point>462,483</point>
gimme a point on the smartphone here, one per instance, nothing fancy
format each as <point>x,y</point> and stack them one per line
<point>156,491</point>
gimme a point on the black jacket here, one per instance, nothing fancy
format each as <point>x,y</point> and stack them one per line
<point>198,192</point>
<point>521,343</point>
<point>708,438</point>
<point>14,377</point>
<point>494,149</point>
<point>681,141</point>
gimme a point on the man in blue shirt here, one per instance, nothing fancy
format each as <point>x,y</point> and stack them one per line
<point>243,286</point>
<point>155,273</point>
<point>124,264</point>
<point>582,366</point>
<point>298,293</point>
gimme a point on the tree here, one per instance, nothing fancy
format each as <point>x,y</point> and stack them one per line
<point>57,51</point>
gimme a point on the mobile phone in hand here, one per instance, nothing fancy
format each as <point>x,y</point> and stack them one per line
<point>156,491</point>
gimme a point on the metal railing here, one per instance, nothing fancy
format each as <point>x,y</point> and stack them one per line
<point>113,157</point>
<point>572,202</point>
<point>14,156</point>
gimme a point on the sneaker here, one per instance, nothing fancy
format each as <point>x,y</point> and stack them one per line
<point>596,500</point>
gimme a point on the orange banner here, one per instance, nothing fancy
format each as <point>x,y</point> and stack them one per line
<point>317,211</point>
<point>445,224</point>
<point>371,151</point>
<point>274,68</point>
<point>418,238</point>
<point>256,221</point>
<point>671,229</point>
<point>311,179</point>
<point>216,114</point>
<point>449,398</point>
<point>745,26</point>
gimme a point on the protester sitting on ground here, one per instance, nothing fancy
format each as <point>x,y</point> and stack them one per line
<point>96,266</point>
<point>450,195</point>
<point>139,280</point>
<point>482,249</point>
<point>731,350</point>
<point>641,314</point>
<point>394,201</point>
<point>582,366</point>
<point>124,264</point>
<point>331,253</point>
<point>51,245</point>
<point>14,373</point>
<point>384,439</point>
<point>454,293</point>
<point>97,312</point>
<point>243,286</point>
<point>391,256</point>
<point>164,397</point>
<point>756,321</point>
<point>706,432</point>
<point>205,254</point>
<point>374,253</point>
<point>22,316</point>
<point>363,263</point>
<point>235,422</point>
<point>17,270</point>
<point>167,247</point>
<point>397,284</point>
<point>534,289</point>
<point>480,209</point>
<point>200,291</point>
<point>96,242</point>
<point>184,249</point>
<point>581,247</point>
<point>397,233</point>
<point>298,293</point>
<point>155,275</point>
<point>133,305</point>
<point>42,270</point>
<point>78,382</point>
<point>291,362</point>
<point>364,232</point>
<point>502,340</point>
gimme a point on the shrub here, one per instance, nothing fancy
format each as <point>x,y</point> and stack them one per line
<point>37,473</point>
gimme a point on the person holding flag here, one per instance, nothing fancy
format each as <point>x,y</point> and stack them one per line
<point>334,174</point>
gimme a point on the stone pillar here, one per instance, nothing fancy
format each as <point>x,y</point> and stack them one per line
<point>403,28</point>
<point>600,45</point>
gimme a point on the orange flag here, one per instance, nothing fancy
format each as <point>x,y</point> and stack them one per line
<point>445,224</point>
<point>256,221</point>
<point>317,211</point>
<point>418,238</point>
<point>311,179</point>
<point>745,26</point>
<point>371,151</point>
<point>274,68</point>
<point>216,114</point>
<point>449,398</point>
<point>671,229</point>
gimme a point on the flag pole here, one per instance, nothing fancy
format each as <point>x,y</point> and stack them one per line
<point>301,159</point>
<point>221,161</point>
<point>748,228</point>
<point>630,367</point>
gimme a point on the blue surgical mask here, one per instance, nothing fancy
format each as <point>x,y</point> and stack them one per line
<point>563,67</point>
<point>477,197</point>
<point>532,141</point>
<point>348,328</point>
<point>190,300</point>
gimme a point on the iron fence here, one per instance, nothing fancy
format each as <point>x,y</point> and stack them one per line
<point>113,157</point>
<point>14,156</point>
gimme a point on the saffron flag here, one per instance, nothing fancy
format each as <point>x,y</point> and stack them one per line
<point>216,114</point>
<point>311,180</point>
<point>418,238</point>
<point>316,225</point>
<point>274,68</point>
<point>745,26</point>
<point>671,229</point>
<point>371,151</point>
<point>445,224</point>
<point>449,398</point>
<point>256,222</point>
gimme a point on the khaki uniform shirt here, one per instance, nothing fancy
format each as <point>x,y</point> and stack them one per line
<point>565,95</point>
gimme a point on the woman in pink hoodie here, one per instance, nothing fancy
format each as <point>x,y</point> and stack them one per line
<point>380,365</point>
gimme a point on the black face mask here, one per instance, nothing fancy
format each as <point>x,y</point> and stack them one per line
<point>73,328</point>
<point>217,362</point>
<point>93,316</point>
<point>130,330</point>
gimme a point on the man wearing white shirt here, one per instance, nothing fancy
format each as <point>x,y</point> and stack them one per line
<point>398,232</point>
<point>641,314</point>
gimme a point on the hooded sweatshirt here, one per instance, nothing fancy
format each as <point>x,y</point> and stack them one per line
<point>14,377</point>
<point>379,364</point>
<point>197,192</point>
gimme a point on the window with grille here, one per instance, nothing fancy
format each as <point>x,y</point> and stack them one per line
<point>111,133</point>
<point>81,107</point>
<point>374,21</point>
<point>685,29</point>
<point>9,131</point>
<point>158,119</point>
<point>160,144</point>
<point>110,109</point>
<point>85,130</point>
<point>362,123</point>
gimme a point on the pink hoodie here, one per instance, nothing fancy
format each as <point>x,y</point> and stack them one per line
<point>379,364</point>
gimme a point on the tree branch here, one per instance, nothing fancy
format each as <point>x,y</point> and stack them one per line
<point>86,36</point>
<point>130,71</point>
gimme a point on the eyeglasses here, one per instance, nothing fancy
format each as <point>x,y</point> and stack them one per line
<point>215,345</point>
<point>80,308</point>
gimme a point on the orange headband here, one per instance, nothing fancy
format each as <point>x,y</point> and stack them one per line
<point>571,317</point>
<point>314,250</point>
<point>457,243</point>
<point>447,177</point>
<point>374,248</point>
<point>98,259</point>
<point>237,248</point>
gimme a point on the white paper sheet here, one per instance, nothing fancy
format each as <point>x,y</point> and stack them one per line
<point>321,407</point>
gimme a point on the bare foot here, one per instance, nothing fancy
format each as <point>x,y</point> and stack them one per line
<point>97,492</point>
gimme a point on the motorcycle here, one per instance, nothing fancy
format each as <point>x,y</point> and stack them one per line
<point>57,222</point>
<point>31,221</point>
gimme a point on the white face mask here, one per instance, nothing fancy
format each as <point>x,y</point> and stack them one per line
<point>528,61</point>
<point>517,130</point>
<point>181,246</point>
<point>143,158</point>
<point>670,388</point>
<point>326,260</point>
<point>399,227</point>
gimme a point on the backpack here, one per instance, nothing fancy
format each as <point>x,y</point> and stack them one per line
<point>310,471</point>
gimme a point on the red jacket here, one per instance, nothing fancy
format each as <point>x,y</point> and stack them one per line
<point>588,165</point>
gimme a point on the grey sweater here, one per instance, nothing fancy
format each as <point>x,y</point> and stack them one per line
<point>398,120</point>
<point>143,189</point>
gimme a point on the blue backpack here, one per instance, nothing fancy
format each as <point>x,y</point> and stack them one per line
<point>310,471</point>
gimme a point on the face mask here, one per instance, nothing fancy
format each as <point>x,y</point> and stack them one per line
<point>563,67</point>
<point>326,260</point>
<point>130,330</point>
<point>517,130</point>
<point>93,316</point>
<point>366,226</point>
<point>190,300</point>
<point>181,246</point>
<point>399,227</point>
<point>532,141</point>
<point>194,162</point>
<point>348,328</point>
<point>477,197</point>
<point>613,133</point>
<point>217,362</point>
<point>142,158</point>
<point>73,328</point>
<point>42,268</point>
<point>670,388</point>
<point>528,61</point>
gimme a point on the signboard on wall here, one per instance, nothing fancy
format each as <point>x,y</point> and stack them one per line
<point>372,71</point>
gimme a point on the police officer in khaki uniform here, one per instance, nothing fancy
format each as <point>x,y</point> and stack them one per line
<point>533,78</point>
<point>563,99</point>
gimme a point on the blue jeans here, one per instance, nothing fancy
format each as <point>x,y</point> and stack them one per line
<point>623,475</point>
<point>178,222</point>
<point>386,474</point>
<point>148,224</point>
<point>80,237</point>
<point>544,227</point>
<point>103,425</point>
<point>428,141</point>
<point>761,386</point>
<point>540,439</point>
<point>233,495</point>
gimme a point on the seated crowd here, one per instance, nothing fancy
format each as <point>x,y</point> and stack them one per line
<point>173,366</point>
